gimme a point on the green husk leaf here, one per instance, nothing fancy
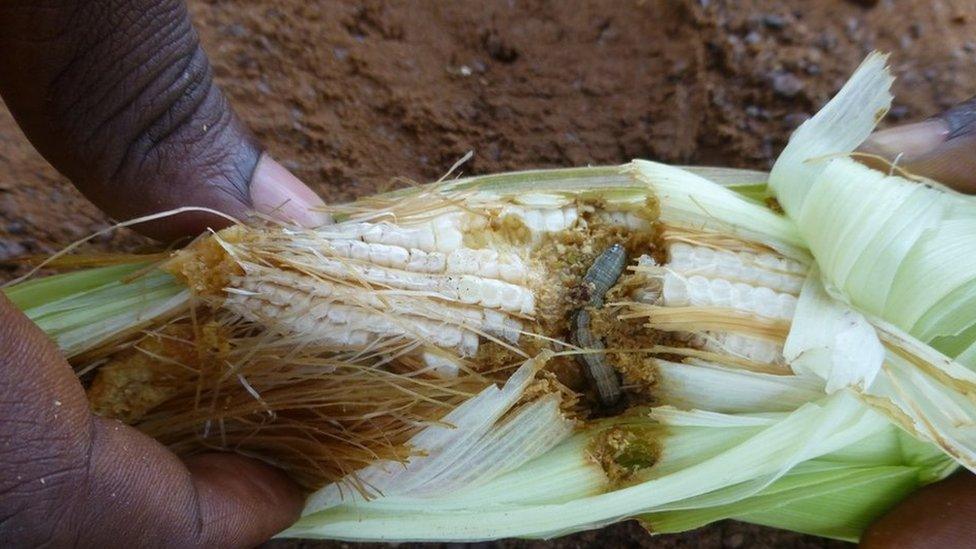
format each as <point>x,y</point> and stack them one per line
<point>830,340</point>
<point>837,502</point>
<point>837,129</point>
<point>691,201</point>
<point>84,309</point>
<point>39,291</point>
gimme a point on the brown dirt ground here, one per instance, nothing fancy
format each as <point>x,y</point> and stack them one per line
<point>350,95</point>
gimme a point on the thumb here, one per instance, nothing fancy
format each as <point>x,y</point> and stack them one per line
<point>942,148</point>
<point>139,495</point>
<point>121,99</point>
<point>242,501</point>
<point>76,479</point>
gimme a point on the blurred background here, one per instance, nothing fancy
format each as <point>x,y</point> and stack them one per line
<point>355,97</point>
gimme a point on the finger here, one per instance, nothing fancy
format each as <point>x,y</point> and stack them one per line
<point>76,479</point>
<point>940,515</point>
<point>120,97</point>
<point>213,500</point>
<point>243,500</point>
<point>278,193</point>
<point>942,148</point>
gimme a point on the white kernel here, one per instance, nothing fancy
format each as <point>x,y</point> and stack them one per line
<point>374,233</point>
<point>442,366</point>
<point>768,262</point>
<point>448,239</point>
<point>533,220</point>
<point>489,269</point>
<point>436,262</point>
<point>528,303</point>
<point>570,216</point>
<point>462,261</point>
<point>675,292</point>
<point>423,239</point>
<point>512,272</point>
<point>728,265</point>
<point>764,302</point>
<point>553,220</point>
<point>698,291</point>
<point>468,344</point>
<point>360,250</point>
<point>511,298</point>
<point>342,248</point>
<point>468,290</point>
<point>358,338</point>
<point>419,261</point>
<point>680,249</point>
<point>721,293</point>
<point>491,293</point>
<point>449,336</point>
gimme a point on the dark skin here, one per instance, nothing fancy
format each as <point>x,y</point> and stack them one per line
<point>119,97</point>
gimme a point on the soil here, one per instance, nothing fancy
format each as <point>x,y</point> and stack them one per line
<point>353,95</point>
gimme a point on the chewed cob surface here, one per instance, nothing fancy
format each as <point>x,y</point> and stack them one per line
<point>432,297</point>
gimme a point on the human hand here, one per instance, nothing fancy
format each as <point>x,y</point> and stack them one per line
<point>943,148</point>
<point>119,97</point>
<point>70,478</point>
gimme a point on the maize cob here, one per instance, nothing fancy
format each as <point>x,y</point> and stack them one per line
<point>421,363</point>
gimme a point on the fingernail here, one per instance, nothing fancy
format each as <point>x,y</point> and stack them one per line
<point>910,141</point>
<point>278,193</point>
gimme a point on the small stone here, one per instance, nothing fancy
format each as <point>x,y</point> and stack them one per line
<point>11,250</point>
<point>755,111</point>
<point>498,49</point>
<point>236,30</point>
<point>774,21</point>
<point>16,228</point>
<point>827,41</point>
<point>752,38</point>
<point>786,84</point>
